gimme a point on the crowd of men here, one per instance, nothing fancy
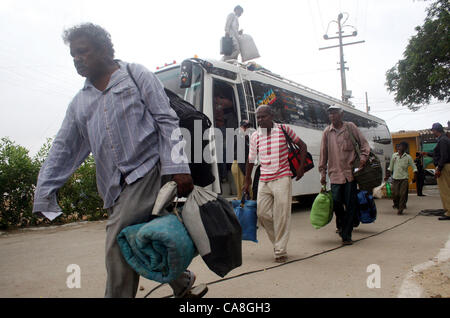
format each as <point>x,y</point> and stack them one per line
<point>128,132</point>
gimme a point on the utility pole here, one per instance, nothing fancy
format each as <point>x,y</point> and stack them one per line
<point>367,104</point>
<point>345,93</point>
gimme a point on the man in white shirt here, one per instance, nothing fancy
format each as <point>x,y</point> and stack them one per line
<point>232,30</point>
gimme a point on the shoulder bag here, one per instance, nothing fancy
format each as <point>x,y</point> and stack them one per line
<point>371,175</point>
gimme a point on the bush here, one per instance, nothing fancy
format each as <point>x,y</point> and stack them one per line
<point>18,174</point>
<point>78,198</point>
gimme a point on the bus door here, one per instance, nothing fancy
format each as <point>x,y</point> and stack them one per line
<point>225,120</point>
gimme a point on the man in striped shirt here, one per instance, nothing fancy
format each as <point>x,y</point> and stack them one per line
<point>275,185</point>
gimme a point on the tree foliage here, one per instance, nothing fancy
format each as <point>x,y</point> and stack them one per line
<point>78,198</point>
<point>18,174</point>
<point>424,71</point>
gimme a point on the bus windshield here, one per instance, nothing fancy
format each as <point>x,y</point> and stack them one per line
<point>171,80</point>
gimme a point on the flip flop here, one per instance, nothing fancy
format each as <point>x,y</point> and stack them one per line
<point>193,292</point>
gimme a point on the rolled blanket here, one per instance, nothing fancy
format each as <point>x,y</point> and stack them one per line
<point>160,250</point>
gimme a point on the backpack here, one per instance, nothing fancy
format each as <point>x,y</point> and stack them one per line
<point>187,113</point>
<point>367,208</point>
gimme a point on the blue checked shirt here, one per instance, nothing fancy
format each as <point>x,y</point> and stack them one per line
<point>126,137</point>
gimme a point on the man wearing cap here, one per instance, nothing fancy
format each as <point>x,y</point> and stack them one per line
<point>398,166</point>
<point>441,159</point>
<point>337,155</point>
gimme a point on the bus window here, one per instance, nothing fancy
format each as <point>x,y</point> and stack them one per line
<point>224,105</point>
<point>290,107</point>
<point>170,78</point>
<point>266,94</point>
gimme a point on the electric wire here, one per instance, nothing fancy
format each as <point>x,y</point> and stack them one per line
<point>294,260</point>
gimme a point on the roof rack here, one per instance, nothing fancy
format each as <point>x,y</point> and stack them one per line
<point>288,81</point>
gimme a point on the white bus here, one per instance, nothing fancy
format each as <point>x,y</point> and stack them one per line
<point>198,81</point>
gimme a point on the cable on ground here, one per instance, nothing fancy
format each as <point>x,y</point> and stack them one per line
<point>294,260</point>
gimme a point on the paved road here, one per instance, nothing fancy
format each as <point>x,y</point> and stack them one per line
<point>33,263</point>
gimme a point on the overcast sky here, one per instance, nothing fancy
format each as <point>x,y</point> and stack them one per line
<point>38,79</point>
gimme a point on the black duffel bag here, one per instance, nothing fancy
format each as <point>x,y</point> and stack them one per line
<point>226,45</point>
<point>371,175</point>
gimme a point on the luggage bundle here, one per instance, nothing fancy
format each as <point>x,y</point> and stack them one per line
<point>367,208</point>
<point>322,209</point>
<point>382,191</point>
<point>248,48</point>
<point>189,115</point>
<point>371,175</point>
<point>226,45</point>
<point>214,229</point>
<point>161,249</point>
<point>246,213</point>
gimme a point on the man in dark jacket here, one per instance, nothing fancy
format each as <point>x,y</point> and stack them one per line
<point>441,158</point>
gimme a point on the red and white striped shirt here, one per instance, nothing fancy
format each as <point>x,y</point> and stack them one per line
<point>272,151</point>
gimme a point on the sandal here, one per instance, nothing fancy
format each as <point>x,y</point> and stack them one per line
<point>193,292</point>
<point>281,259</point>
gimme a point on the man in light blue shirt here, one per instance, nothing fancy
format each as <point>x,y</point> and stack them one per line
<point>129,135</point>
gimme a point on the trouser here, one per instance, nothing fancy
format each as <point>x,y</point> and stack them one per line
<point>134,206</point>
<point>419,183</point>
<point>274,211</point>
<point>444,188</point>
<point>345,195</point>
<point>400,193</point>
<point>238,177</point>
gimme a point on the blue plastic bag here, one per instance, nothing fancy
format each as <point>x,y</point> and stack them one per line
<point>246,213</point>
<point>367,207</point>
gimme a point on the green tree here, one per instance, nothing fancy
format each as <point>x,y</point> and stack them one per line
<point>78,198</point>
<point>424,71</point>
<point>18,174</point>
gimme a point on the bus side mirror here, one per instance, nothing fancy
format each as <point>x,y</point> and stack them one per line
<point>186,74</point>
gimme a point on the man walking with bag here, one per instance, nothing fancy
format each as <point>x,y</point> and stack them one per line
<point>274,200</point>
<point>398,166</point>
<point>337,156</point>
<point>129,135</point>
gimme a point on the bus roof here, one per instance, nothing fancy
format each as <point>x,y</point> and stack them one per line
<point>242,68</point>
